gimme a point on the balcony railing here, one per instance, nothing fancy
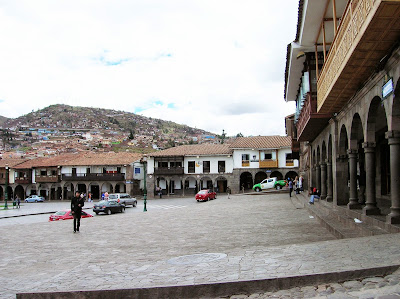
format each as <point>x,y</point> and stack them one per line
<point>23,180</point>
<point>168,170</point>
<point>47,178</point>
<point>367,31</point>
<point>268,163</point>
<point>310,122</point>
<point>289,162</point>
<point>93,177</point>
<point>309,107</point>
<point>245,163</point>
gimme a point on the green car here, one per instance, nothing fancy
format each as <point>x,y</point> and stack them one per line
<point>269,183</point>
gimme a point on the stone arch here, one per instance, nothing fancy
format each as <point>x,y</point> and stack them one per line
<point>222,184</point>
<point>191,184</point>
<point>94,189</point>
<point>260,176</point>
<point>206,183</point>
<point>120,187</point>
<point>323,152</point>
<point>394,124</point>
<point>246,180</point>
<point>19,190</point>
<point>376,128</point>
<point>343,141</point>
<point>276,174</point>
<point>291,174</point>
<point>356,133</point>
<point>342,168</point>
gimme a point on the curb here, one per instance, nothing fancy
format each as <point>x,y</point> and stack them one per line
<point>219,289</point>
<point>33,214</point>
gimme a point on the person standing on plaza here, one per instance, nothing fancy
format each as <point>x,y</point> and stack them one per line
<point>301,183</point>
<point>106,195</point>
<point>77,203</point>
<point>290,187</point>
<point>18,202</point>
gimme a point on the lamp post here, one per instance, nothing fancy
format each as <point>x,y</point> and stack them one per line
<point>6,189</point>
<point>144,182</point>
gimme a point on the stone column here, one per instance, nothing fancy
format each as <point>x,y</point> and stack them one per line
<point>329,196</point>
<point>394,144</point>
<point>370,169</point>
<point>323,181</point>
<point>353,200</point>
<point>318,177</point>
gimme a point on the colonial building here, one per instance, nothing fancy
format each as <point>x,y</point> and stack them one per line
<point>259,157</point>
<point>342,71</point>
<point>60,176</point>
<point>184,170</point>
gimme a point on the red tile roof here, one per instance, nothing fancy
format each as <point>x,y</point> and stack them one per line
<point>262,142</point>
<point>82,159</point>
<point>193,150</point>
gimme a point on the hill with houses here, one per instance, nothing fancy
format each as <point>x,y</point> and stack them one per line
<point>62,128</point>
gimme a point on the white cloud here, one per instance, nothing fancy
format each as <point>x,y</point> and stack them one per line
<point>220,63</point>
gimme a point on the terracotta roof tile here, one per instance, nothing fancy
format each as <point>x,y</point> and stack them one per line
<point>195,149</point>
<point>11,162</point>
<point>109,158</point>
<point>262,142</point>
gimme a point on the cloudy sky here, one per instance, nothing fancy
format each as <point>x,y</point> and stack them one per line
<point>210,64</point>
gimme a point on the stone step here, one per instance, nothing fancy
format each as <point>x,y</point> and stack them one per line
<point>339,222</point>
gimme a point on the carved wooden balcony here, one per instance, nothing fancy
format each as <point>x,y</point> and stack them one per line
<point>310,123</point>
<point>367,32</point>
<point>268,164</point>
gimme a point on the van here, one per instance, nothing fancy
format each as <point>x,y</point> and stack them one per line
<point>123,198</point>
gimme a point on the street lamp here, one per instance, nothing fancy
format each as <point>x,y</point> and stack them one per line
<point>6,187</point>
<point>144,182</point>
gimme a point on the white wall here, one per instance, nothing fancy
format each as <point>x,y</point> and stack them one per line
<point>150,165</point>
<point>237,158</point>
<point>282,158</point>
<point>138,176</point>
<point>213,163</point>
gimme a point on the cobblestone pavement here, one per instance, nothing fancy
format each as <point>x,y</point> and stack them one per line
<point>237,239</point>
<point>386,287</point>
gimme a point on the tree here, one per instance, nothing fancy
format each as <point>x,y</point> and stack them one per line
<point>131,136</point>
<point>239,135</point>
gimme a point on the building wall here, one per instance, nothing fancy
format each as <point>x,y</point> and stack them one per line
<point>213,163</point>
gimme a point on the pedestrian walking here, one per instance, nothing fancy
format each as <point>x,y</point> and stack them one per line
<point>106,195</point>
<point>77,203</point>
<point>18,202</point>
<point>290,187</point>
<point>90,197</point>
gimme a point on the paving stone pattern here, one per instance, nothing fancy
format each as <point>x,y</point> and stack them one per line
<point>386,287</point>
<point>254,237</point>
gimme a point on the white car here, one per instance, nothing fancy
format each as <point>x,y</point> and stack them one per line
<point>123,198</point>
<point>34,198</point>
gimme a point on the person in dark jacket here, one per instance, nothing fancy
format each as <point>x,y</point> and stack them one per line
<point>77,203</point>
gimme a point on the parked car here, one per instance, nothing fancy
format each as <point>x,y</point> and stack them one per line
<point>108,207</point>
<point>34,198</point>
<point>205,195</point>
<point>270,183</point>
<point>123,198</point>
<point>66,214</point>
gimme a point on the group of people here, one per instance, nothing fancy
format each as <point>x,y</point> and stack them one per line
<point>17,202</point>
<point>296,185</point>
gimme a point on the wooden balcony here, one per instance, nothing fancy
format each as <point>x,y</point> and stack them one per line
<point>168,170</point>
<point>23,180</point>
<point>268,163</point>
<point>47,178</point>
<point>310,123</point>
<point>93,177</point>
<point>289,163</point>
<point>367,32</point>
<point>245,163</point>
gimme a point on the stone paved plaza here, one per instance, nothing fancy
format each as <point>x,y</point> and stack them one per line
<point>247,237</point>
